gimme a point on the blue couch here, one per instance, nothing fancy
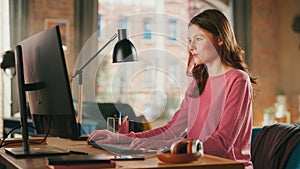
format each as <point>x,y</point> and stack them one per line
<point>294,158</point>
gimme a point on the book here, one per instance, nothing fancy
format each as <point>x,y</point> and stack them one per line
<point>80,161</point>
<point>111,164</point>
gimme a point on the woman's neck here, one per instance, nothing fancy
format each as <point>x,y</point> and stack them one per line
<point>217,68</point>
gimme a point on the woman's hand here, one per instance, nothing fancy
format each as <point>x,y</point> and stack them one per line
<point>103,137</point>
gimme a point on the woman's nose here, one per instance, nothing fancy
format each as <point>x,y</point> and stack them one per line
<point>192,46</point>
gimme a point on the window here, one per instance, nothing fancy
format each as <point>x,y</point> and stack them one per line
<point>147,28</point>
<point>6,107</point>
<point>172,29</point>
<point>174,74</point>
<point>99,26</point>
<point>148,75</point>
<point>123,23</point>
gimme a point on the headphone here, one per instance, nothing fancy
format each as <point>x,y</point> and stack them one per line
<point>187,147</point>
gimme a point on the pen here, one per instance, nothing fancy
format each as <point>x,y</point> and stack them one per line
<point>119,118</point>
<point>78,152</point>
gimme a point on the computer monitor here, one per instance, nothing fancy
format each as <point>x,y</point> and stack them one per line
<point>43,83</point>
<point>47,85</point>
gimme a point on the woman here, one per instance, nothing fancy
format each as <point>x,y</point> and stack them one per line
<point>217,108</point>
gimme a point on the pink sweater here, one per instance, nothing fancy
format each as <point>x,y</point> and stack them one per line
<point>221,117</point>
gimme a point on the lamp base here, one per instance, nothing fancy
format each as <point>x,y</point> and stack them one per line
<point>80,136</point>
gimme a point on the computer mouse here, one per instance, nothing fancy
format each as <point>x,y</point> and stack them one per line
<point>91,142</point>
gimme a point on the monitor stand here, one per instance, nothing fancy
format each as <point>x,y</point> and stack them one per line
<point>26,150</point>
<point>19,152</point>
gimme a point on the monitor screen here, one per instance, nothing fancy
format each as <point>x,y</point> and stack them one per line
<point>47,85</point>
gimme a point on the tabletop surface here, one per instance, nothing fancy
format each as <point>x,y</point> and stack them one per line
<point>151,161</point>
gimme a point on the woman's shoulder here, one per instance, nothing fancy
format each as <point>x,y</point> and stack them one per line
<point>237,75</point>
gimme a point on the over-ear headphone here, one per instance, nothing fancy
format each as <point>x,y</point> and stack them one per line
<point>187,147</point>
<point>181,151</point>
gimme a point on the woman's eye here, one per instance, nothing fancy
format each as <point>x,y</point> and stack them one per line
<point>198,39</point>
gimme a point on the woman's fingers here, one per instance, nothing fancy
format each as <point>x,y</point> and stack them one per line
<point>105,141</point>
<point>99,135</point>
<point>137,143</point>
<point>147,144</point>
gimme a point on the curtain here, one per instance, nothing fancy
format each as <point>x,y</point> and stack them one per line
<point>18,20</point>
<point>241,14</point>
<point>86,14</point>
<point>18,16</point>
<point>86,22</point>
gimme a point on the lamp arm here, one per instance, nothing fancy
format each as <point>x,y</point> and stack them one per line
<point>94,56</point>
<point>80,86</point>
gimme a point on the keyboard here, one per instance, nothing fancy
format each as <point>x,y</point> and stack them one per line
<point>117,148</point>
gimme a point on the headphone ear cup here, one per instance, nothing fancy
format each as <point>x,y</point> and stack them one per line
<point>179,147</point>
<point>196,146</point>
<point>189,147</point>
<point>173,147</point>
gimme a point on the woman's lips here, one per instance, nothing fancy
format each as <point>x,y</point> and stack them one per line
<point>194,55</point>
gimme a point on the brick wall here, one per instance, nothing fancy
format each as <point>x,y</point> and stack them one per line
<point>265,62</point>
<point>40,10</point>
<point>275,55</point>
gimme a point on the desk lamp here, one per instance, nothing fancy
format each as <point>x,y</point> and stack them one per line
<point>124,51</point>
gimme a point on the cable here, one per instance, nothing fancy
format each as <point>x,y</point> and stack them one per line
<point>47,134</point>
<point>32,142</point>
<point>6,135</point>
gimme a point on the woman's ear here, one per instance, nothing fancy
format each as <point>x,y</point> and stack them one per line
<point>220,41</point>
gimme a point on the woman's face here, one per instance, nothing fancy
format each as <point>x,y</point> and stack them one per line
<point>202,45</point>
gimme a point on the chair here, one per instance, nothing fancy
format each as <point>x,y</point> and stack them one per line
<point>293,161</point>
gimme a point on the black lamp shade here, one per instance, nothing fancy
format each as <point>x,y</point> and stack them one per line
<point>8,60</point>
<point>124,51</point>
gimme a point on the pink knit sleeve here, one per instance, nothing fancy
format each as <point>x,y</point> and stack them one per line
<point>232,137</point>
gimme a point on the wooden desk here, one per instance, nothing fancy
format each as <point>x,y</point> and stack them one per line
<point>205,162</point>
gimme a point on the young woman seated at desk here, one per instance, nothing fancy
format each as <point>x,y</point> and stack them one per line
<point>217,108</point>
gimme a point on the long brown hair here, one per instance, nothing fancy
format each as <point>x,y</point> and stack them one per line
<point>231,54</point>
